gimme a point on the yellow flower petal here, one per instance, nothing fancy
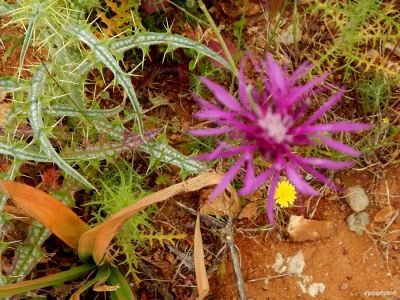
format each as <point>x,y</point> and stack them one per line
<point>285,194</point>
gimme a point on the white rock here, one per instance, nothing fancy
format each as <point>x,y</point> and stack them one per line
<point>356,198</point>
<point>316,288</point>
<point>357,222</point>
<point>296,263</point>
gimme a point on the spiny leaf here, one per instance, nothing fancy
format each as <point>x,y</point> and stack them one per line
<point>172,40</point>
<point>68,111</point>
<point>104,55</point>
<point>57,217</point>
<point>103,150</point>
<point>20,154</point>
<point>9,84</point>
<point>167,154</point>
<point>28,34</point>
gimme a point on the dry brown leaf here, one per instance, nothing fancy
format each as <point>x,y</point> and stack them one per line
<point>5,109</point>
<point>96,240</point>
<point>250,210</point>
<point>54,215</point>
<point>223,205</point>
<point>102,287</point>
<point>199,265</point>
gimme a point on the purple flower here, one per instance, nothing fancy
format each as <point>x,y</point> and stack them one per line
<point>269,121</point>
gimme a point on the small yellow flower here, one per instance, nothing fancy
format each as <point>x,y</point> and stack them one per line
<point>385,120</point>
<point>285,194</point>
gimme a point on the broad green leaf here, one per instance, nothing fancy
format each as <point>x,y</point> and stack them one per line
<point>171,40</point>
<point>124,292</point>
<point>54,215</point>
<point>104,55</point>
<point>50,280</point>
<point>95,241</point>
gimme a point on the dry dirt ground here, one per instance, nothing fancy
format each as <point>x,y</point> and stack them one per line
<point>348,265</point>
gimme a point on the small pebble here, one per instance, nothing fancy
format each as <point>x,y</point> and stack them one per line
<point>356,198</point>
<point>344,286</point>
<point>357,222</point>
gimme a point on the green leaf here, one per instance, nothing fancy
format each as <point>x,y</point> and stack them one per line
<point>167,154</point>
<point>29,32</point>
<point>105,56</point>
<point>101,276</point>
<point>124,292</point>
<point>171,40</point>
<point>50,280</point>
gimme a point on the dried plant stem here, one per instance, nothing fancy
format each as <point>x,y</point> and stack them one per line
<point>229,238</point>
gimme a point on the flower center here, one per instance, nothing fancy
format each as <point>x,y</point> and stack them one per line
<point>275,126</point>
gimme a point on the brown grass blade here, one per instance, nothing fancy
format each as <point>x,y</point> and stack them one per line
<point>96,240</point>
<point>54,215</point>
<point>200,268</point>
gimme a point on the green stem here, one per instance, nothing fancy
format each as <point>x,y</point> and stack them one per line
<point>219,36</point>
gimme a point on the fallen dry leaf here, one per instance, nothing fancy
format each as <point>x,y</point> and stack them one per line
<point>203,286</point>
<point>223,205</point>
<point>301,229</point>
<point>54,215</point>
<point>95,241</point>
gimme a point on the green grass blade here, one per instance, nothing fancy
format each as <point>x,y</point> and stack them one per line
<point>50,280</point>
<point>28,34</point>
<point>172,40</point>
<point>124,292</point>
<point>105,56</point>
<point>167,154</point>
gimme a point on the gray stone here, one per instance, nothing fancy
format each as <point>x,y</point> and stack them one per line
<point>357,222</point>
<point>356,198</point>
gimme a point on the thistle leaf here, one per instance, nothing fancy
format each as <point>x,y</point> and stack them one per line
<point>169,155</point>
<point>29,32</point>
<point>171,40</point>
<point>105,56</point>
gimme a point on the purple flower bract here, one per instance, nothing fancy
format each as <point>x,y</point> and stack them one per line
<point>269,122</point>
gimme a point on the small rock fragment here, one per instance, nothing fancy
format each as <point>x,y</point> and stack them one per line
<point>357,222</point>
<point>356,198</point>
<point>296,263</point>
<point>384,215</point>
<point>344,286</point>
<point>316,288</point>
<point>279,266</point>
<point>300,229</point>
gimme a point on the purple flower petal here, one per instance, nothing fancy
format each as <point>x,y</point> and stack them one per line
<point>271,199</point>
<point>339,146</point>
<point>302,70</point>
<point>222,95</point>
<point>275,73</point>
<point>299,92</point>
<point>336,127</point>
<point>250,187</point>
<point>319,176</point>
<point>227,179</point>
<point>209,131</point>
<point>298,181</point>
<point>322,162</point>
<point>325,107</point>
<point>220,153</point>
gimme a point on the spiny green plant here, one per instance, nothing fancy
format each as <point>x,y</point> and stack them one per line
<point>355,33</point>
